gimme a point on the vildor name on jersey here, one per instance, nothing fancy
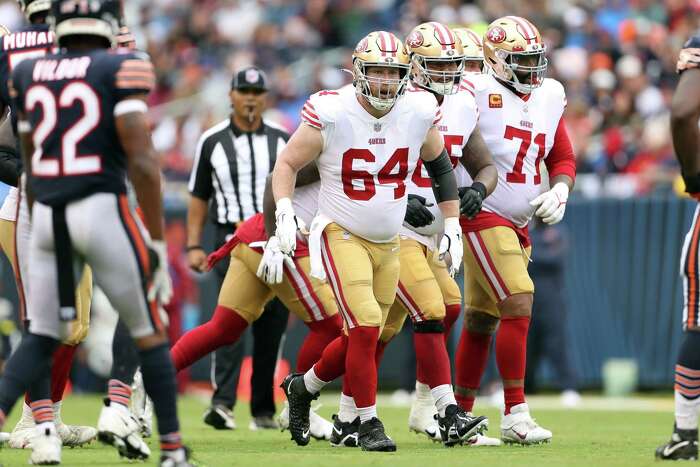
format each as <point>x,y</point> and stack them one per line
<point>20,40</point>
<point>66,68</point>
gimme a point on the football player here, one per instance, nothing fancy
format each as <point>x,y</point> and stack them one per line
<point>685,113</point>
<point>473,50</point>
<point>35,40</point>
<point>366,140</point>
<point>426,292</point>
<point>81,119</point>
<point>521,120</point>
<point>255,275</point>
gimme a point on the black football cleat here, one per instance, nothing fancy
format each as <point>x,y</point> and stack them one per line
<point>299,399</point>
<point>372,437</point>
<point>345,434</point>
<point>683,446</point>
<point>458,426</point>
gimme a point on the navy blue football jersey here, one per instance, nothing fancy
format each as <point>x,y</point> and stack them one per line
<point>31,42</point>
<point>68,101</point>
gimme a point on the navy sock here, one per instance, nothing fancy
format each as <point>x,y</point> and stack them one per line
<point>28,368</point>
<point>124,355</point>
<point>159,380</point>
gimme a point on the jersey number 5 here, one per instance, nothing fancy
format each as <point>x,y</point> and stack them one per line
<point>525,137</point>
<point>387,175</point>
<point>70,162</point>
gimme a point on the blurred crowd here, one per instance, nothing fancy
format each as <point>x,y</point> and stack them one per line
<point>616,59</point>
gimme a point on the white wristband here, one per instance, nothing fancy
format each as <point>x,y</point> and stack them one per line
<point>452,222</point>
<point>284,204</point>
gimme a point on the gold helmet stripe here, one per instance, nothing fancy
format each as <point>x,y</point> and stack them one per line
<point>525,28</point>
<point>445,36</point>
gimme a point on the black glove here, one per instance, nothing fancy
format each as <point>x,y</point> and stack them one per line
<point>417,213</point>
<point>470,199</point>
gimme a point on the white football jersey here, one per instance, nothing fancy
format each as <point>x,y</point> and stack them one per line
<point>305,202</point>
<point>520,134</point>
<point>366,161</point>
<point>459,118</point>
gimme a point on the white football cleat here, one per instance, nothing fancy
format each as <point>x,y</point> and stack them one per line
<point>4,437</point>
<point>23,432</point>
<point>518,427</point>
<point>422,418</point>
<point>142,406</point>
<point>118,428</point>
<point>319,427</point>
<point>46,446</point>
<point>483,440</point>
<point>72,436</point>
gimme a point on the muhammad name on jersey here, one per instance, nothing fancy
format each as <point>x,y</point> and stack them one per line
<point>68,101</point>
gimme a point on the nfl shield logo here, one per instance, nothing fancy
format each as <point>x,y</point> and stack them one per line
<point>377,127</point>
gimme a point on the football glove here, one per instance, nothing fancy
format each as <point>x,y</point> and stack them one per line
<point>471,198</point>
<point>417,212</point>
<point>552,204</point>
<point>451,245</point>
<point>161,286</point>
<point>286,231</point>
<point>271,268</point>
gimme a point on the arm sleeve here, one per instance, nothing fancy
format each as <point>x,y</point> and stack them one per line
<point>200,184</point>
<point>561,159</point>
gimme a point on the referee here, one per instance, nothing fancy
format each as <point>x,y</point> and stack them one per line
<point>227,183</point>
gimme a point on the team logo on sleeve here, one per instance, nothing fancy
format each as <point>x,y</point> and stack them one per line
<point>495,101</point>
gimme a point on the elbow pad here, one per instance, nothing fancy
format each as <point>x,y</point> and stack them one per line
<point>442,178</point>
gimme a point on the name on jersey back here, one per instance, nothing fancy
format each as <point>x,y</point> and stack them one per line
<point>65,68</point>
<point>20,40</point>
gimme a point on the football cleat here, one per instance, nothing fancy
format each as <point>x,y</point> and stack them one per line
<point>518,427</point>
<point>220,417</point>
<point>141,406</point>
<point>46,446</point>
<point>683,446</point>
<point>263,423</point>
<point>422,418</point>
<point>23,432</point>
<point>4,437</point>
<point>345,434</point>
<point>457,425</point>
<point>299,399</point>
<point>319,427</point>
<point>178,458</point>
<point>72,436</point>
<point>117,427</point>
<point>373,438</point>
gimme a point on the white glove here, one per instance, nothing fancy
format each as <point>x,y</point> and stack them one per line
<point>452,243</point>
<point>552,204</point>
<point>286,231</point>
<point>271,268</point>
<point>162,286</point>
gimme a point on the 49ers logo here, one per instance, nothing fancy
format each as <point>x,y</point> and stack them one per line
<point>415,39</point>
<point>362,46</point>
<point>496,34</point>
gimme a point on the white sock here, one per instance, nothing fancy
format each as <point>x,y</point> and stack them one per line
<point>367,413</point>
<point>686,412</point>
<point>443,397</point>
<point>348,411</point>
<point>27,414</point>
<point>423,392</point>
<point>312,382</point>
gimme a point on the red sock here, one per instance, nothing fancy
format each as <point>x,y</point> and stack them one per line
<point>346,386</point>
<point>379,353</point>
<point>470,361</point>
<point>451,314</point>
<point>321,333</point>
<point>511,350</point>
<point>60,370</point>
<point>332,363</point>
<point>361,366</point>
<point>225,327</point>
<point>432,361</point>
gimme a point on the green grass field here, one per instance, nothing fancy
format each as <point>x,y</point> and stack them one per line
<point>601,432</point>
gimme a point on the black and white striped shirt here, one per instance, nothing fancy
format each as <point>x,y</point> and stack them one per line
<point>230,168</point>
